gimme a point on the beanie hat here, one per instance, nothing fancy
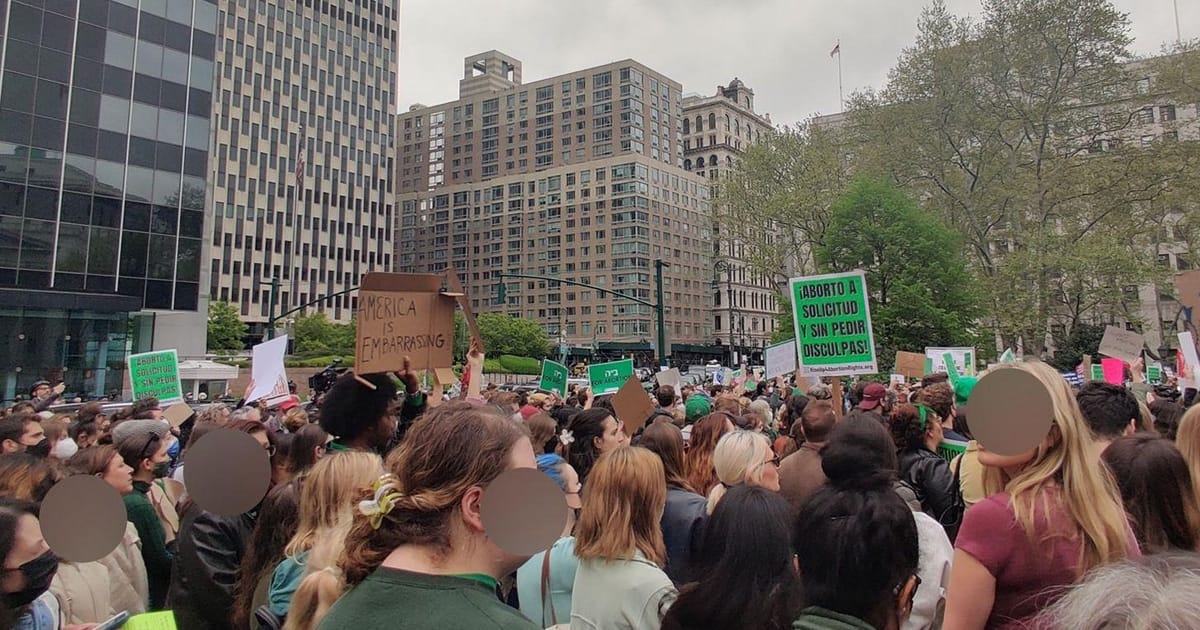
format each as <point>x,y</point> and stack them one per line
<point>962,389</point>
<point>131,428</point>
<point>697,407</point>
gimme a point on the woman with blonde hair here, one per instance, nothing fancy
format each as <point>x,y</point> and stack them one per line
<point>417,550</point>
<point>327,500</point>
<point>620,582</point>
<point>1051,516</point>
<point>743,458</point>
<point>1187,438</point>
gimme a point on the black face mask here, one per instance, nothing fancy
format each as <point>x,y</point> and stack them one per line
<point>38,574</point>
<point>41,449</point>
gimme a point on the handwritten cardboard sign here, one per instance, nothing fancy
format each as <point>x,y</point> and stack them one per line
<point>464,301</point>
<point>403,315</point>
<point>1122,344</point>
<point>632,405</point>
<point>911,364</point>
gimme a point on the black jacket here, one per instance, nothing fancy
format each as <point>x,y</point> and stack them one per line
<point>210,550</point>
<point>931,478</point>
<point>682,524</point>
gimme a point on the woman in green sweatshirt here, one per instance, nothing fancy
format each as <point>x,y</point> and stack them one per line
<point>146,453</point>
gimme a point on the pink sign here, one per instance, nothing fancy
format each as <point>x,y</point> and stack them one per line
<point>1114,370</point>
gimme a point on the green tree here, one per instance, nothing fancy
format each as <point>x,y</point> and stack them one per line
<point>1069,349</point>
<point>226,331</point>
<point>512,335</point>
<point>920,290</point>
<point>314,334</point>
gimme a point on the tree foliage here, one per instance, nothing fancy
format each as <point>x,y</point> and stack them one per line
<point>226,331</point>
<point>314,334</point>
<point>921,293</point>
<point>512,335</point>
<point>1083,339</point>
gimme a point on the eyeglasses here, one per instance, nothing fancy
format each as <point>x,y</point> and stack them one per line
<point>151,446</point>
<point>773,461</point>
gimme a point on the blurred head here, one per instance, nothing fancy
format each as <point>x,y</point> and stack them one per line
<point>440,471</point>
<point>1157,491</point>
<point>622,506</point>
<point>743,458</point>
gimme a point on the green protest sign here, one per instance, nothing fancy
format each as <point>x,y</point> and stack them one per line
<point>951,370</point>
<point>156,374</point>
<point>1008,356</point>
<point>1154,373</point>
<point>554,378</point>
<point>1097,372</point>
<point>607,378</point>
<point>833,324</point>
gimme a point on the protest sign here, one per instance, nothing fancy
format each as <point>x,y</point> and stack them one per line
<point>897,379</point>
<point>1097,372</point>
<point>632,406</point>
<point>722,376</point>
<point>964,360</point>
<point>670,378</point>
<point>464,302</point>
<point>1154,373</point>
<point>177,414</point>
<point>266,370</point>
<point>444,377</point>
<point>554,377</point>
<point>156,374</point>
<point>1187,344</point>
<point>403,315</point>
<point>162,620</point>
<point>911,364</point>
<point>833,324</point>
<point>607,378</point>
<point>779,359</point>
<point>1122,344</point>
<point>1008,356</point>
<point>951,368</point>
<point>1113,370</point>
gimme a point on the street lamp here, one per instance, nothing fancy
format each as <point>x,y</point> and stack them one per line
<point>718,267</point>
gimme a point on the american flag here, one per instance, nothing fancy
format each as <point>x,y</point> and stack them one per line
<point>300,161</point>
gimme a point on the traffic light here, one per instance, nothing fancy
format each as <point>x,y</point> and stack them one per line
<point>502,292</point>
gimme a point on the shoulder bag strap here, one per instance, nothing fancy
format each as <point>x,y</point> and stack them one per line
<point>546,590</point>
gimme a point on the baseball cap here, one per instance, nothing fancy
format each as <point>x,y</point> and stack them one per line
<point>697,407</point>
<point>873,394</point>
<point>33,388</point>
<point>292,402</point>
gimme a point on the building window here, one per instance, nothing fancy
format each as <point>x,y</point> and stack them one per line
<point>1166,113</point>
<point>1145,116</point>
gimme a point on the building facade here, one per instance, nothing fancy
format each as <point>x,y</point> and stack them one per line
<point>303,153</point>
<point>105,110</point>
<point>716,130</point>
<point>576,176</point>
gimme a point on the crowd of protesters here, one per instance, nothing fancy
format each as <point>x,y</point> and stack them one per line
<point>763,505</point>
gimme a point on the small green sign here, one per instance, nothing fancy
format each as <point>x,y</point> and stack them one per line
<point>554,377</point>
<point>1097,372</point>
<point>833,324</point>
<point>1154,373</point>
<point>951,369</point>
<point>156,374</point>
<point>1008,356</point>
<point>607,378</point>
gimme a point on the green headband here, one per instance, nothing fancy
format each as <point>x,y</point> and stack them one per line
<point>924,411</point>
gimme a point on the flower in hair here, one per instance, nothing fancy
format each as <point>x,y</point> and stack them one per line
<point>566,437</point>
<point>382,503</point>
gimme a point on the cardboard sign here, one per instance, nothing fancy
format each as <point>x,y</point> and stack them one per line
<point>177,414</point>
<point>266,369</point>
<point>554,377</point>
<point>779,359</point>
<point>1122,344</point>
<point>607,378</point>
<point>963,359</point>
<point>444,377</point>
<point>910,364</point>
<point>464,302</point>
<point>632,405</point>
<point>832,318</point>
<point>670,378</point>
<point>403,315</point>
<point>156,374</point>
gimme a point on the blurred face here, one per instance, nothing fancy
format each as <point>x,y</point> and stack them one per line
<point>770,470</point>
<point>42,391</point>
<point>118,475</point>
<point>613,436</point>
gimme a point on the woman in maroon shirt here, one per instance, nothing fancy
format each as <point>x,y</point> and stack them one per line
<point>1053,514</point>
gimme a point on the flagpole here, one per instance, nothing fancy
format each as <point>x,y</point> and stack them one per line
<point>841,98</point>
<point>1178,33</point>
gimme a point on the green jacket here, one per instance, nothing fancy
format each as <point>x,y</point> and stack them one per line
<point>817,618</point>
<point>155,554</point>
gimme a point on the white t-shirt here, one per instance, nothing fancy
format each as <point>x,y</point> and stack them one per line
<point>933,567</point>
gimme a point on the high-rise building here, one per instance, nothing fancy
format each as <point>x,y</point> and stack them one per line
<point>576,177</point>
<point>304,101</point>
<point>716,130</point>
<point>105,112</point>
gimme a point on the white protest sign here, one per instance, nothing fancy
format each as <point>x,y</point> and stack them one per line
<point>779,359</point>
<point>1188,344</point>
<point>964,360</point>
<point>671,378</point>
<point>266,369</point>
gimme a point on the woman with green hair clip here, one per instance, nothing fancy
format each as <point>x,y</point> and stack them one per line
<point>917,431</point>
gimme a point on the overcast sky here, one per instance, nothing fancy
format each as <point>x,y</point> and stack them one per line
<point>779,48</point>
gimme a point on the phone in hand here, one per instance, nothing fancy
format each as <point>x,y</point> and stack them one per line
<point>114,622</point>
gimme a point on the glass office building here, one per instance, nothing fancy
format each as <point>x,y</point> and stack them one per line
<point>105,111</point>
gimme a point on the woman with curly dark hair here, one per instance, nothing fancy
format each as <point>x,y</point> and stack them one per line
<point>917,431</point>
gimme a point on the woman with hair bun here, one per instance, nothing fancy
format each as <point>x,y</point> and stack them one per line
<point>417,556</point>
